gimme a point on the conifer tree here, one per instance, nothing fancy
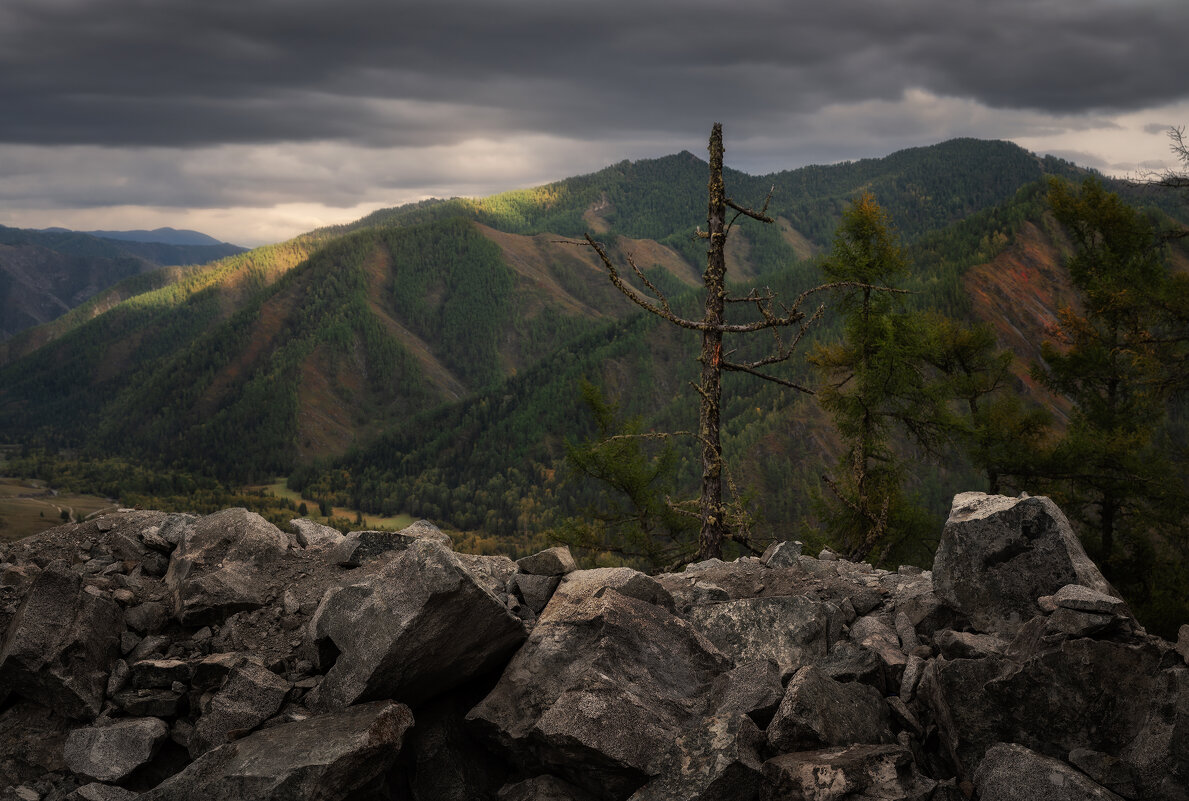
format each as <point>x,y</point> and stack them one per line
<point>871,384</point>
<point>1118,358</point>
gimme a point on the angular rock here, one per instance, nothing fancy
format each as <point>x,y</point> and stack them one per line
<point>315,536</point>
<point>1011,772</point>
<point>967,645</point>
<point>1084,599</point>
<point>871,633</point>
<point>97,791</point>
<point>580,585</point>
<point>221,566</point>
<point>817,711</point>
<point>61,644</point>
<point>1183,642</point>
<point>213,669</point>
<point>599,690</point>
<point>552,562</point>
<point>109,753</point>
<point>333,757</point>
<point>1073,623</point>
<point>998,555</point>
<point>150,703</point>
<point>535,590</point>
<point>782,554</point>
<point>790,630</point>
<point>848,661</point>
<point>751,688</point>
<point>359,546</point>
<point>159,673</point>
<point>422,625</point>
<point>251,695</point>
<point>1112,698</point>
<point>147,618</point>
<point>717,760</point>
<point>859,772</point>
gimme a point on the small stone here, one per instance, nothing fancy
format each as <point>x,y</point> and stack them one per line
<point>118,679</point>
<point>149,703</point>
<point>552,562</point>
<point>124,595</point>
<point>128,641</point>
<point>160,673</point>
<point>1084,599</point>
<point>26,793</point>
<point>705,593</point>
<point>148,617</point>
<point>827,556</point>
<point>782,554</point>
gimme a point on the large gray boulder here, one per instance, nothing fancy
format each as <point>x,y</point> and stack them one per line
<point>110,752</point>
<point>792,631</point>
<point>61,645</point>
<point>999,555</point>
<point>421,625</point>
<point>600,690</point>
<point>1011,772</point>
<point>333,757</point>
<point>817,711</point>
<point>251,695</point>
<point>1065,695</point>
<point>221,565</point>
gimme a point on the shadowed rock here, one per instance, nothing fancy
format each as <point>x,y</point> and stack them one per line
<point>250,696</point>
<point>817,711</point>
<point>598,691</point>
<point>221,565</point>
<point>1012,772</point>
<point>111,752</point>
<point>359,546</point>
<point>61,645</point>
<point>333,757</point>
<point>998,555</point>
<point>420,626</point>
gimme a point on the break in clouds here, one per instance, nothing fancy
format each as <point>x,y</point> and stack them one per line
<point>255,103</point>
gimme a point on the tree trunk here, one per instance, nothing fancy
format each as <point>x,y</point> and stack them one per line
<point>712,512</point>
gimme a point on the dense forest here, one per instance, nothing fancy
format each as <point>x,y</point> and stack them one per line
<point>459,360</point>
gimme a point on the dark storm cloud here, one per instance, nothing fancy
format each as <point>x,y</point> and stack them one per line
<point>384,73</point>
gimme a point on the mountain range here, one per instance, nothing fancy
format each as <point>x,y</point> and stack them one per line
<point>426,359</point>
<point>44,274</point>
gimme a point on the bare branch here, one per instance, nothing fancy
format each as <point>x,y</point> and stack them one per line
<point>633,295</point>
<point>742,368</point>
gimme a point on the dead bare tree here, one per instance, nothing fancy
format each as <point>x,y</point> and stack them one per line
<point>787,323</point>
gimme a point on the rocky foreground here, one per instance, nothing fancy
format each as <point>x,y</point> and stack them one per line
<point>174,657</point>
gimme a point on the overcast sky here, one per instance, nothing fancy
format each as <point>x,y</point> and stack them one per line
<point>255,120</point>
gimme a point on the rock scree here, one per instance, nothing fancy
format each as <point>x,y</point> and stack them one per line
<point>173,657</point>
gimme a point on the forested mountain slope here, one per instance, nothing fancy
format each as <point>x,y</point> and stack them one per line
<point>263,362</point>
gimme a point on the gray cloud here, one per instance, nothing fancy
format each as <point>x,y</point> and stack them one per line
<point>383,73</point>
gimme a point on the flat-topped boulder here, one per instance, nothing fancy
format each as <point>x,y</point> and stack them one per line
<point>998,556</point>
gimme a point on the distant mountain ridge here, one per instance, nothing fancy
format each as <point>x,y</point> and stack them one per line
<point>166,236</point>
<point>44,274</point>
